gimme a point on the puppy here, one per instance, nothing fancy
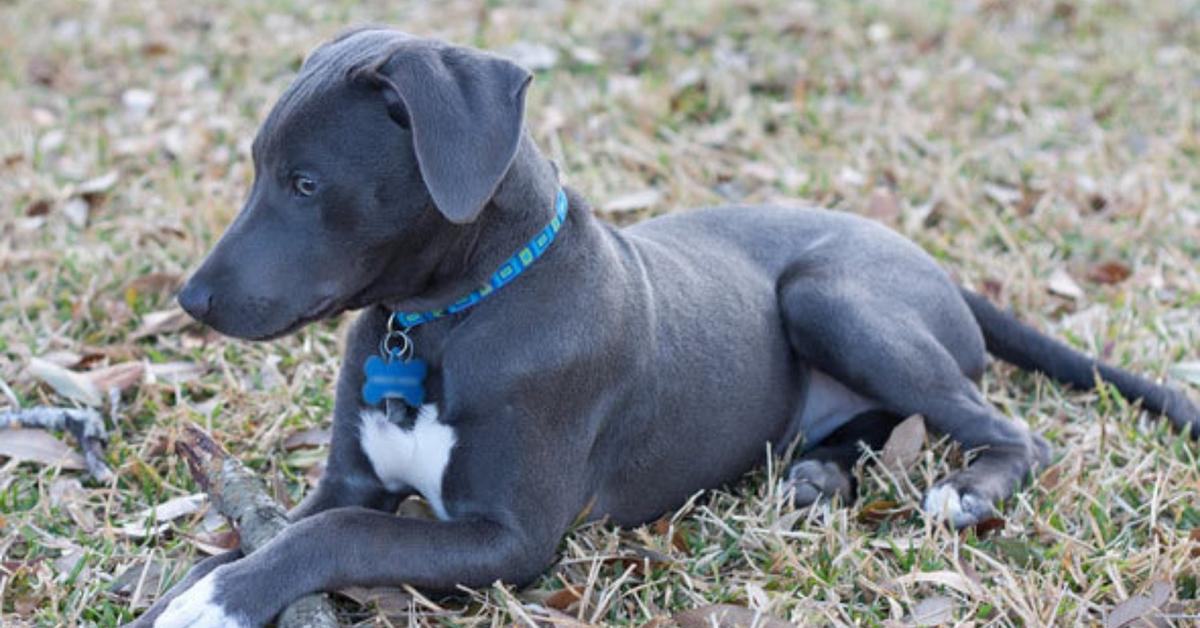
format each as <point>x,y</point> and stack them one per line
<point>518,362</point>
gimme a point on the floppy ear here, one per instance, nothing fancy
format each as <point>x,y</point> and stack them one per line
<point>465,110</point>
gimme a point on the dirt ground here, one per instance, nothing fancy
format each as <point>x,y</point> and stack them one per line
<point>1047,152</point>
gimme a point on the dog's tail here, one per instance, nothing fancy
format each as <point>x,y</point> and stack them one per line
<point>1025,347</point>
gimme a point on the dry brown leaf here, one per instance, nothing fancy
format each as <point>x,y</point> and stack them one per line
<point>881,510</point>
<point>40,447</point>
<point>563,598</point>
<point>65,359</point>
<point>312,437</point>
<point>1063,285</point>
<point>39,207</point>
<point>933,611</point>
<point>162,322</point>
<point>67,383</point>
<point>152,521</point>
<point>1109,273</point>
<point>951,579</point>
<point>391,601</point>
<point>120,376</point>
<point>903,447</point>
<point>69,495</point>
<point>213,543</point>
<point>149,573</point>
<point>1140,606</point>
<point>727,616</point>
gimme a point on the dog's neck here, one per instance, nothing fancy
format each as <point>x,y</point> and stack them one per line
<point>522,205</point>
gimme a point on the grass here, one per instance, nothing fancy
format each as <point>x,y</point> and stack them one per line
<point>1019,142</point>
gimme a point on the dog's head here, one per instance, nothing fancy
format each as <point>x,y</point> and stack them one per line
<point>380,150</point>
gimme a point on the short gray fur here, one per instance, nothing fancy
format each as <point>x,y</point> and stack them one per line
<point>625,370</point>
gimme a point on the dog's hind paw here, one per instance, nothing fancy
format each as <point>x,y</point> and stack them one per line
<point>198,608</point>
<point>813,480</point>
<point>945,503</point>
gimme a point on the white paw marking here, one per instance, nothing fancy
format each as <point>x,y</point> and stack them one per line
<point>944,502</point>
<point>196,608</point>
<point>414,458</point>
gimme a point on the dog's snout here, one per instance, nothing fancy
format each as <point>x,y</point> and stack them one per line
<point>196,299</point>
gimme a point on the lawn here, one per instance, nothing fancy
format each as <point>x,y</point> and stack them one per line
<point>1048,153</point>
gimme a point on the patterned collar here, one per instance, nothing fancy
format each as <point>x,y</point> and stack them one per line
<point>513,266</point>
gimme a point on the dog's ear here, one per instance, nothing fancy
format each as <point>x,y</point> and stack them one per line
<point>465,110</point>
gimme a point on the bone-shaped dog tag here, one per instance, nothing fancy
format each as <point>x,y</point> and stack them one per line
<point>394,379</point>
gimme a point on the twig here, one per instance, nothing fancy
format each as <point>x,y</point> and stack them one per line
<point>84,424</point>
<point>242,497</point>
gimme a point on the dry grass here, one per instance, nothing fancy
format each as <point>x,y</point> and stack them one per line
<point>1016,141</point>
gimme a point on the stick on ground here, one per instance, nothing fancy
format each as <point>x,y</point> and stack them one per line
<point>241,497</point>
<point>84,424</point>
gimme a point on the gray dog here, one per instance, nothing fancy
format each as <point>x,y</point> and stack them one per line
<point>518,362</point>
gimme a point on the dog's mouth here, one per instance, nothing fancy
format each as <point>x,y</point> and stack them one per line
<point>325,308</point>
<point>328,307</point>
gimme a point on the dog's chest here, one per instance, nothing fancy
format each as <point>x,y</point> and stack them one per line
<point>414,458</point>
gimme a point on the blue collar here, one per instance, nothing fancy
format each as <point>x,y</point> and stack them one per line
<point>508,271</point>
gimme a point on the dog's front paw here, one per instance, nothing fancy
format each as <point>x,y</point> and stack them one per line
<point>201,607</point>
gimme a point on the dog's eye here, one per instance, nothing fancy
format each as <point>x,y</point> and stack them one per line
<point>304,186</point>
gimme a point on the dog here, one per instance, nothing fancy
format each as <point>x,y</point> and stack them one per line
<point>519,363</point>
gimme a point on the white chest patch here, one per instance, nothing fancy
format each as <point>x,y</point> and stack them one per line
<point>415,458</point>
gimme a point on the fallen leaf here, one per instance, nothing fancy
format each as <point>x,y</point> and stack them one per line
<point>162,322</point>
<point>65,359</point>
<point>119,376</point>
<point>148,573</point>
<point>1109,273</point>
<point>987,526</point>
<point>563,598</point>
<point>98,185</point>
<point>66,563</point>
<point>67,383</point>
<point>69,495</point>
<point>881,510</point>
<point>76,210</point>
<point>312,437</point>
<point>633,201</point>
<point>1140,606</point>
<point>391,601</point>
<point>951,579</point>
<point>1063,285</point>
<point>152,521</point>
<point>933,611</point>
<point>727,616</point>
<point>213,543</point>
<point>1002,195</point>
<point>38,446</point>
<point>903,447</point>
<point>39,207</point>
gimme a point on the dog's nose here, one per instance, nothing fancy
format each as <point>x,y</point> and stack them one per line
<point>196,299</point>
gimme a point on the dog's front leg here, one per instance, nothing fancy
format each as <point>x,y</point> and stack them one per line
<point>358,547</point>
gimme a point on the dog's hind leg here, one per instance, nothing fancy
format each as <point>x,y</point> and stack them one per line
<point>889,348</point>
<point>827,470</point>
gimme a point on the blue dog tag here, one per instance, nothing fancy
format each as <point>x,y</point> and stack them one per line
<point>394,379</point>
